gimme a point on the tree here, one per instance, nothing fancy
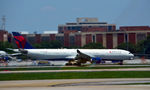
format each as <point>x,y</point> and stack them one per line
<point>51,44</point>
<point>74,47</point>
<point>144,46</point>
<point>127,46</point>
<point>37,45</point>
<point>5,45</point>
<point>55,44</point>
<point>140,47</point>
<point>93,46</point>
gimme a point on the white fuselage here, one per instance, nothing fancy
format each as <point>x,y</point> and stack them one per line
<point>68,54</point>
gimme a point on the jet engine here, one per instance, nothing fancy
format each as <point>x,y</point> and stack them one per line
<point>96,60</point>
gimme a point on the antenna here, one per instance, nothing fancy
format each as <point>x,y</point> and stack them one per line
<point>3,23</point>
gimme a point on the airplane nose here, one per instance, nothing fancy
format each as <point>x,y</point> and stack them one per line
<point>132,56</point>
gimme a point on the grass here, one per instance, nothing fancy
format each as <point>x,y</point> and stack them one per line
<point>75,75</point>
<point>69,68</point>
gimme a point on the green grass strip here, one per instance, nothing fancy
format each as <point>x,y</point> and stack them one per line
<point>75,75</point>
<point>70,68</point>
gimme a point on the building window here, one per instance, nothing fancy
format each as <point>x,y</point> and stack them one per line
<point>109,28</point>
<point>93,38</point>
<point>45,38</point>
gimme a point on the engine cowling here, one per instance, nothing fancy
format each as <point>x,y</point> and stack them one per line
<point>96,60</point>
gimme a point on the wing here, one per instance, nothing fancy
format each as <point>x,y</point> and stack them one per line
<point>82,57</point>
<point>71,57</point>
<point>15,54</point>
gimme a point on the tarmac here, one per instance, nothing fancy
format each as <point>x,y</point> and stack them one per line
<point>62,63</point>
<point>78,84</point>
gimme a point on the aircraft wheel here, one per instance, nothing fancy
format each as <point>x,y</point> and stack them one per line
<point>121,63</point>
<point>68,64</point>
<point>78,64</point>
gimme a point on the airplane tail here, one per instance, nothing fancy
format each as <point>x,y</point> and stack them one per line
<point>21,41</point>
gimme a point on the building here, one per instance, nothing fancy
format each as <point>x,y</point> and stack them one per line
<point>109,39</point>
<point>136,33</point>
<point>88,30</point>
<point>86,25</point>
<point>4,36</point>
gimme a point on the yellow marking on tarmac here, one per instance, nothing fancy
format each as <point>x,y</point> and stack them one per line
<point>43,84</point>
<point>34,84</point>
<point>25,85</point>
<point>51,83</point>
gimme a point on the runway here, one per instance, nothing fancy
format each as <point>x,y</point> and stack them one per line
<point>120,87</point>
<point>78,70</point>
<point>77,84</point>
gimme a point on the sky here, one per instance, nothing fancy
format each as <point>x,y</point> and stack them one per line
<point>44,15</point>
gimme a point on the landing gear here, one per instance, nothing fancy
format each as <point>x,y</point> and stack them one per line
<point>73,63</point>
<point>78,64</point>
<point>68,64</point>
<point>121,62</point>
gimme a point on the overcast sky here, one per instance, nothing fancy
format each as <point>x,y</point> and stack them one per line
<point>43,15</point>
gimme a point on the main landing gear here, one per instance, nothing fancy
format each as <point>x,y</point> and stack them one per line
<point>73,63</point>
<point>121,62</point>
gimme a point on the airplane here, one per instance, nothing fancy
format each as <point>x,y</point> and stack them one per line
<point>73,56</point>
<point>5,56</point>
